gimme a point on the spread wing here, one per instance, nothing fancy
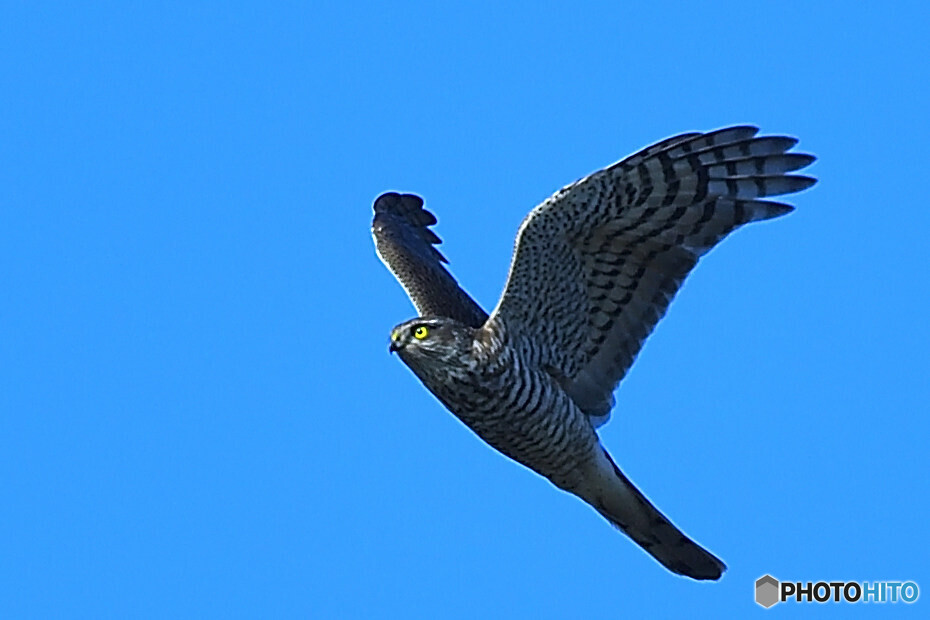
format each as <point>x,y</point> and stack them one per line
<point>407,245</point>
<point>596,265</point>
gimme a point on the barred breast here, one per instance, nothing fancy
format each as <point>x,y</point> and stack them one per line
<point>524,413</point>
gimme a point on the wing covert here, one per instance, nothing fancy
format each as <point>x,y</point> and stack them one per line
<point>596,265</point>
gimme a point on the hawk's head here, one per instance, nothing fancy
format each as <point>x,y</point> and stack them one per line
<point>431,340</point>
<point>433,347</point>
<point>439,351</point>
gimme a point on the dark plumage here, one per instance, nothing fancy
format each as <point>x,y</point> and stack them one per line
<point>594,269</point>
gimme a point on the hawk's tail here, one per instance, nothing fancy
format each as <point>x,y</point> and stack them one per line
<point>627,509</point>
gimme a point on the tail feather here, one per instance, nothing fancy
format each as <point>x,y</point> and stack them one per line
<point>627,509</point>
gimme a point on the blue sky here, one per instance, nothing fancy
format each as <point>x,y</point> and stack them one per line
<point>198,413</point>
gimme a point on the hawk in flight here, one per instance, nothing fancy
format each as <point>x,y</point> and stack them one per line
<point>593,270</point>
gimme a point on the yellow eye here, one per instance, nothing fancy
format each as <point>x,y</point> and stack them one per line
<point>420,332</point>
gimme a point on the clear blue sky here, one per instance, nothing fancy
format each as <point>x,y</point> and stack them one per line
<point>198,413</point>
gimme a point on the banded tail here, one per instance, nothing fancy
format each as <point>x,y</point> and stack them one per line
<point>628,510</point>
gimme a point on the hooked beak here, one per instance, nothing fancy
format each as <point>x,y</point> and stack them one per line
<point>396,344</point>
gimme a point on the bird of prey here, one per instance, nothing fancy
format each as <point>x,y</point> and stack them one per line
<point>594,268</point>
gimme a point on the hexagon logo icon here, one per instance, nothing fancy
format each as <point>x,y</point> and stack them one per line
<point>766,591</point>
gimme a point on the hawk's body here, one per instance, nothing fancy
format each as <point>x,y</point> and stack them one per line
<point>594,268</point>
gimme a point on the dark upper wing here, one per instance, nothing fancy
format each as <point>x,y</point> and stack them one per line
<point>596,265</point>
<point>406,244</point>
